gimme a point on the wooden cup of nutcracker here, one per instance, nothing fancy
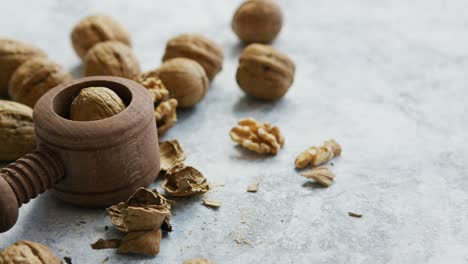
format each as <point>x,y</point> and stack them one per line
<point>91,164</point>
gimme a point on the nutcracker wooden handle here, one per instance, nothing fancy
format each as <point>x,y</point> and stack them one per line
<point>91,164</point>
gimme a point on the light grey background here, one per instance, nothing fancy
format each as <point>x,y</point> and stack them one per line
<point>388,79</point>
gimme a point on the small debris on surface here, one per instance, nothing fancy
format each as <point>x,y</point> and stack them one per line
<point>198,261</point>
<point>243,241</point>
<point>106,228</point>
<point>212,203</point>
<point>105,260</point>
<point>106,243</point>
<point>68,260</point>
<point>354,215</point>
<point>253,187</point>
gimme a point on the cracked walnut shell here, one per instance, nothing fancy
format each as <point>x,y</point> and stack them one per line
<point>184,78</point>
<point>95,103</point>
<point>111,58</point>
<point>17,135</point>
<point>34,78</point>
<point>257,21</point>
<point>28,252</point>
<point>262,138</point>
<point>318,155</point>
<point>264,72</point>
<point>12,54</point>
<point>198,48</point>
<point>185,181</point>
<point>95,29</point>
<point>171,154</point>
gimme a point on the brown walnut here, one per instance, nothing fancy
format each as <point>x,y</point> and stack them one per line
<point>12,54</point>
<point>28,252</point>
<point>264,72</point>
<point>95,103</point>
<point>198,48</point>
<point>257,21</point>
<point>184,78</point>
<point>95,29</point>
<point>17,135</point>
<point>34,78</point>
<point>111,58</point>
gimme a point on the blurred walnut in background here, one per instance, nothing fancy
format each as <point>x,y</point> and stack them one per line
<point>95,29</point>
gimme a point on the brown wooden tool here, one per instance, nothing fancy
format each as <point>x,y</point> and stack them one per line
<point>92,164</point>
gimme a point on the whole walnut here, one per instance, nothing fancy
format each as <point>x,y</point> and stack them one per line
<point>95,103</point>
<point>34,78</point>
<point>94,29</point>
<point>28,252</point>
<point>198,48</point>
<point>111,58</point>
<point>184,78</point>
<point>257,21</point>
<point>12,54</point>
<point>17,135</point>
<point>264,72</point>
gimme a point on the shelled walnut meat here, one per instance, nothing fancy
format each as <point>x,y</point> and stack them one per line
<point>318,155</point>
<point>198,48</point>
<point>164,107</point>
<point>184,78</point>
<point>264,72</point>
<point>28,252</point>
<point>34,78</point>
<point>12,54</point>
<point>95,29</point>
<point>95,103</point>
<point>257,21</point>
<point>111,58</point>
<point>262,138</point>
<point>17,136</point>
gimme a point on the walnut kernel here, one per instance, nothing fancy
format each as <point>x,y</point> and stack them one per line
<point>198,48</point>
<point>26,252</point>
<point>318,155</point>
<point>95,29</point>
<point>34,78</point>
<point>95,103</point>
<point>264,72</point>
<point>321,174</point>
<point>262,138</point>
<point>257,21</point>
<point>111,58</point>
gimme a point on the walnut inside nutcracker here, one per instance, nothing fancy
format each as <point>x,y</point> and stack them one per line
<point>95,103</point>
<point>264,72</point>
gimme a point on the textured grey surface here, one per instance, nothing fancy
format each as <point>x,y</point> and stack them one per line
<point>388,79</point>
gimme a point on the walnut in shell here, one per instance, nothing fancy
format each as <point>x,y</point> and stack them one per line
<point>111,58</point>
<point>185,181</point>
<point>262,138</point>
<point>257,21</point>
<point>264,72</point>
<point>95,29</point>
<point>171,154</point>
<point>184,78</point>
<point>12,54</point>
<point>198,48</point>
<point>164,107</point>
<point>95,103</point>
<point>17,135</point>
<point>28,252</point>
<point>34,78</point>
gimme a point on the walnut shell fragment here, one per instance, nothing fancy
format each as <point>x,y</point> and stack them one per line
<point>318,155</point>
<point>171,154</point>
<point>95,103</point>
<point>185,181</point>
<point>198,48</point>
<point>262,138</point>
<point>14,53</point>
<point>95,29</point>
<point>106,244</point>
<point>142,242</point>
<point>198,261</point>
<point>321,174</point>
<point>17,135</point>
<point>212,203</point>
<point>145,210</point>
<point>28,252</point>
<point>164,108</point>
<point>34,78</point>
<point>111,58</point>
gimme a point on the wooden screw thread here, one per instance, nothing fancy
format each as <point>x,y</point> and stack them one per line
<point>32,174</point>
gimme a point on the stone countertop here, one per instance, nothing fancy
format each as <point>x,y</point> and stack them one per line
<point>387,79</point>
